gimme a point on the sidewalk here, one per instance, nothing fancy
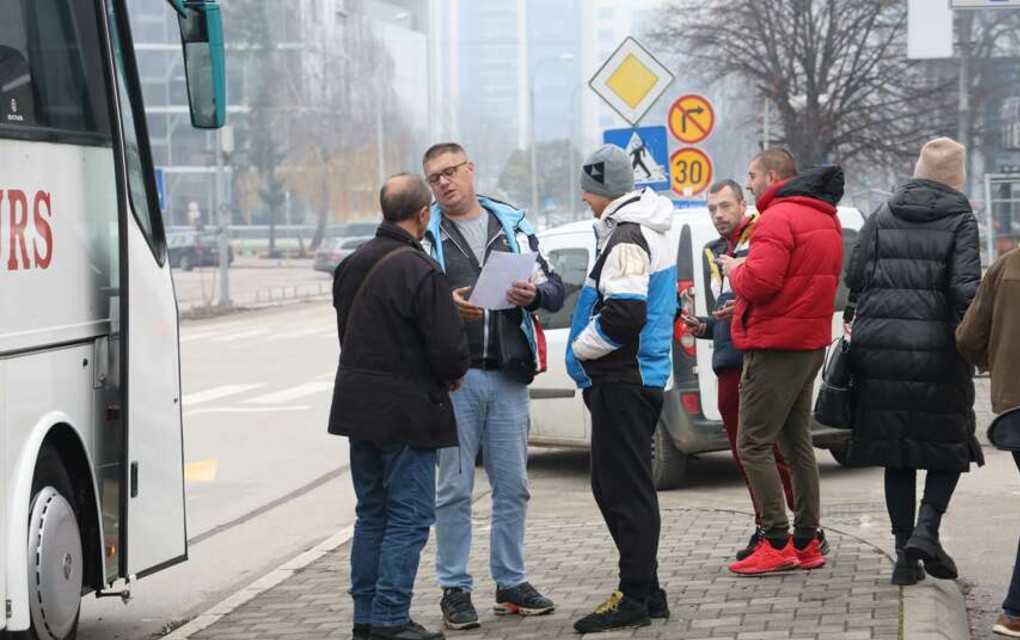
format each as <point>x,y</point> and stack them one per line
<point>573,562</point>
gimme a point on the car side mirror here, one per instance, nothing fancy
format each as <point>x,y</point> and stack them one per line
<point>204,64</point>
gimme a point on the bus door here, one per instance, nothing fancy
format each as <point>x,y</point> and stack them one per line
<point>153,497</point>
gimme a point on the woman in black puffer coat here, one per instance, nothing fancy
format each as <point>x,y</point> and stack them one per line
<point>914,270</point>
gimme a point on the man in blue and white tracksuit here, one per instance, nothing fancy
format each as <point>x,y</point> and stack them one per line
<point>619,354</point>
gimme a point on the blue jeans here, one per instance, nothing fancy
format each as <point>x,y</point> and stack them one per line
<point>492,414</point>
<point>396,489</point>
<point>1012,603</point>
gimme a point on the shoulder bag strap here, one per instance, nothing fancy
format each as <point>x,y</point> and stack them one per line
<point>364,282</point>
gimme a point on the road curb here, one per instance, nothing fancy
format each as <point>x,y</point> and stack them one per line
<point>263,584</point>
<point>934,609</point>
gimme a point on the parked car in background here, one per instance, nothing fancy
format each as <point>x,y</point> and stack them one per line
<point>690,423</point>
<point>190,249</point>
<point>335,250</point>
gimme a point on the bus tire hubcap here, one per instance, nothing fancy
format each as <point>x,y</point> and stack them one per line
<point>54,565</point>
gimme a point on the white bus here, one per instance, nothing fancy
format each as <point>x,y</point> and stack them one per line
<point>91,478</point>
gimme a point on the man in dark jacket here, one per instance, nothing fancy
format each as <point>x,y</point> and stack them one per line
<point>492,407</point>
<point>914,270</point>
<point>728,209</point>
<point>782,320</point>
<point>403,348</point>
<point>619,353</point>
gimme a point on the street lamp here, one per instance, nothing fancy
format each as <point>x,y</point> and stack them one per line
<point>563,57</point>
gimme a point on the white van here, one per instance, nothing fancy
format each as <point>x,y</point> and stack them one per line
<point>690,422</point>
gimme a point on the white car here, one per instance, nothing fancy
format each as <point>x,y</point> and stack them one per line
<point>690,422</point>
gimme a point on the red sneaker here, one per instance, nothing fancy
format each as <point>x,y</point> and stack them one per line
<point>767,559</point>
<point>811,557</point>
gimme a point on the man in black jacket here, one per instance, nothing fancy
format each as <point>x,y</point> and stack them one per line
<point>403,348</point>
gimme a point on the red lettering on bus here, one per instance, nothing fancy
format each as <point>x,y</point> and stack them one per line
<point>17,203</point>
<point>43,230</point>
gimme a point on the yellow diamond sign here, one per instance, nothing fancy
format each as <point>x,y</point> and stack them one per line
<point>631,80</point>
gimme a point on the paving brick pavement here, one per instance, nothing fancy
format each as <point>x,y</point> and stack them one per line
<point>573,562</point>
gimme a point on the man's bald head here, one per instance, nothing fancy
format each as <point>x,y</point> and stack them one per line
<point>403,196</point>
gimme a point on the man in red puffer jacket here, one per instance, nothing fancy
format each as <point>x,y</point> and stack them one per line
<point>785,291</point>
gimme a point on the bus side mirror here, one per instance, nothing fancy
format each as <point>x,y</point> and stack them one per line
<point>204,64</point>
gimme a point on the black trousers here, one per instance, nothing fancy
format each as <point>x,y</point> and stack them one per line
<point>901,497</point>
<point>623,420</point>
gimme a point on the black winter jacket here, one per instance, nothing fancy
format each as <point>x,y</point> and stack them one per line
<point>914,270</point>
<point>404,340</point>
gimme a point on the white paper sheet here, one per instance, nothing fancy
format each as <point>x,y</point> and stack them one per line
<point>499,273</point>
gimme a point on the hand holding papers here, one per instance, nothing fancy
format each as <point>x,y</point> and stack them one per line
<point>498,275</point>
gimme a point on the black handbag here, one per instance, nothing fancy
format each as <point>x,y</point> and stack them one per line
<point>1004,432</point>
<point>834,406</point>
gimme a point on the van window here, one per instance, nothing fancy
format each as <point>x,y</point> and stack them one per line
<point>842,291</point>
<point>51,73</point>
<point>572,265</point>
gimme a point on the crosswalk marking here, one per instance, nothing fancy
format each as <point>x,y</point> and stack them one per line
<point>198,336</point>
<point>301,333</point>
<point>216,393</point>
<point>240,336</point>
<point>288,408</point>
<point>300,391</point>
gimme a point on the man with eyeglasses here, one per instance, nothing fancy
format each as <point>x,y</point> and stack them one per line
<point>492,405</point>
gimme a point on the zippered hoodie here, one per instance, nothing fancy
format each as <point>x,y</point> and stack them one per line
<point>622,326</point>
<point>509,231</point>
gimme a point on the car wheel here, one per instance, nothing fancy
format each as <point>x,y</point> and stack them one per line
<point>669,464</point>
<point>185,263</point>
<point>55,558</point>
<point>840,453</point>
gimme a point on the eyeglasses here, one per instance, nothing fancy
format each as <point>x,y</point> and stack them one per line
<point>448,172</point>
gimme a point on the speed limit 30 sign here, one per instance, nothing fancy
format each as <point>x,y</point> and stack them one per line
<point>691,171</point>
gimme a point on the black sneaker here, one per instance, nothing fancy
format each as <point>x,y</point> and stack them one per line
<point>752,543</point>
<point>523,599</point>
<point>823,544</point>
<point>410,630</point>
<point>361,632</point>
<point>618,612</point>
<point>658,605</point>
<point>458,612</point>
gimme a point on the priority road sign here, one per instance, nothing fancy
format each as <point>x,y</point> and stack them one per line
<point>691,171</point>
<point>631,80</point>
<point>691,119</point>
<point>648,151</point>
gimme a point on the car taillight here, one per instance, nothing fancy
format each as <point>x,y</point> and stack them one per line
<point>691,402</point>
<point>685,288</point>
<point>334,257</point>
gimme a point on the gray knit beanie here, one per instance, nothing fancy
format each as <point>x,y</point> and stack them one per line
<point>608,172</point>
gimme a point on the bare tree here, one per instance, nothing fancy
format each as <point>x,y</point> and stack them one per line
<point>835,71</point>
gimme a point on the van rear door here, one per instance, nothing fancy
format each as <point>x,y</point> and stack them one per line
<point>557,409</point>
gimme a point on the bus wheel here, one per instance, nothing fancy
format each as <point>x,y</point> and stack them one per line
<point>669,464</point>
<point>55,563</point>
